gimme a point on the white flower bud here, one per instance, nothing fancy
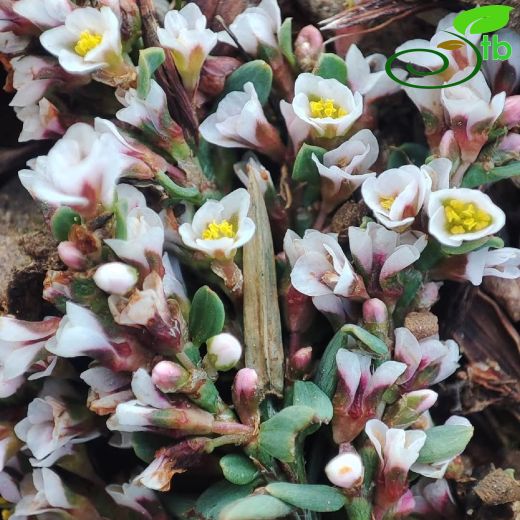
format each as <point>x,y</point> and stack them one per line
<point>116,278</point>
<point>345,470</point>
<point>224,351</point>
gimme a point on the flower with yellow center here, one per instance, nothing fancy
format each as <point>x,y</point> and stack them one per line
<point>220,227</point>
<point>387,202</point>
<point>215,230</point>
<point>87,41</point>
<point>462,214</point>
<point>345,470</point>
<point>326,108</point>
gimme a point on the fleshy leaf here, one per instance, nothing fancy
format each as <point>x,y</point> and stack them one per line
<point>278,435</point>
<point>264,507</point>
<point>257,72</point>
<point>331,66</point>
<point>306,393</point>
<point>218,496</point>
<point>407,153</point>
<point>285,41</point>
<point>149,61</point>
<point>477,174</point>
<point>207,315</point>
<point>473,245</point>
<point>238,469</point>
<point>323,499</point>
<point>483,19</point>
<point>61,222</point>
<point>444,442</point>
<point>305,169</point>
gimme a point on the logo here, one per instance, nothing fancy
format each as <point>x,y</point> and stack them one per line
<point>479,20</point>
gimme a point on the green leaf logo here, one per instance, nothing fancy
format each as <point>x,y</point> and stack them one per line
<point>482,20</point>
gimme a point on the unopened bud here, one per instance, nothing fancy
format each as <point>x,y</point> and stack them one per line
<point>300,362</point>
<point>409,408</point>
<point>168,376</point>
<point>214,73</point>
<point>71,256</point>
<point>429,293</point>
<point>510,143</point>
<point>246,396</point>
<point>308,46</point>
<point>345,470</point>
<point>224,351</point>
<point>511,114</point>
<point>375,311</point>
<point>116,278</point>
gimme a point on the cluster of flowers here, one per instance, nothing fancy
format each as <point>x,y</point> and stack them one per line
<point>132,196</point>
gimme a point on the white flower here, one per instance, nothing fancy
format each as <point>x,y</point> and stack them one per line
<point>89,40</point>
<point>397,450</point>
<point>502,263</point>
<point>472,112</point>
<point>345,168</point>
<point>372,85</point>
<point>186,35</point>
<point>240,122</point>
<point>397,195</point>
<point>21,344</point>
<point>325,105</point>
<point>138,498</point>
<point>51,424</point>
<point>116,278</point>
<point>44,13</point>
<point>219,228</point>
<point>144,231</point>
<point>321,269</point>
<point>79,171</point>
<point>255,26</point>
<point>429,361</point>
<point>345,470</point>
<point>438,469</point>
<point>438,171</point>
<point>376,249</point>
<point>224,351</point>
<point>504,75</point>
<point>40,121</point>
<point>251,164</point>
<point>458,215</point>
<point>458,59</point>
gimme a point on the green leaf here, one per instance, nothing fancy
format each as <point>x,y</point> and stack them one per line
<point>207,315</point>
<point>410,280</point>
<point>145,444</point>
<point>238,469</point>
<point>467,247</point>
<point>256,507</point>
<point>323,499</point>
<point>218,496</point>
<point>483,19</point>
<point>178,506</point>
<point>257,72</point>
<point>305,169</point>
<point>150,60</point>
<point>278,435</point>
<point>61,222</point>
<point>179,193</point>
<point>477,174</point>
<point>331,66</point>
<point>326,375</point>
<point>306,393</point>
<point>407,153</point>
<point>285,41</point>
<point>444,442</point>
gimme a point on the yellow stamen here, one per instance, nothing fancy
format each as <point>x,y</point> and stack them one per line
<point>464,217</point>
<point>87,41</point>
<point>386,202</point>
<point>223,229</point>
<point>6,514</point>
<point>326,108</point>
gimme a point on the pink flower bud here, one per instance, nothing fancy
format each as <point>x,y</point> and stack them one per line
<point>510,143</point>
<point>308,47</point>
<point>71,256</point>
<point>345,470</point>
<point>428,295</point>
<point>375,311</point>
<point>224,351</point>
<point>301,361</point>
<point>511,114</point>
<point>246,396</point>
<point>168,376</point>
<point>214,73</point>
<point>116,278</point>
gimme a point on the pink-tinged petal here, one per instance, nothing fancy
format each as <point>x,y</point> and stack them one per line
<point>146,392</point>
<point>307,274</point>
<point>403,257</point>
<point>361,247</point>
<point>376,432</point>
<point>408,351</point>
<point>349,371</point>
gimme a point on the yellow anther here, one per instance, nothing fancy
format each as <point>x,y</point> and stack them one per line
<point>386,202</point>
<point>6,514</point>
<point>464,217</point>
<point>326,108</point>
<point>216,230</point>
<point>87,41</point>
